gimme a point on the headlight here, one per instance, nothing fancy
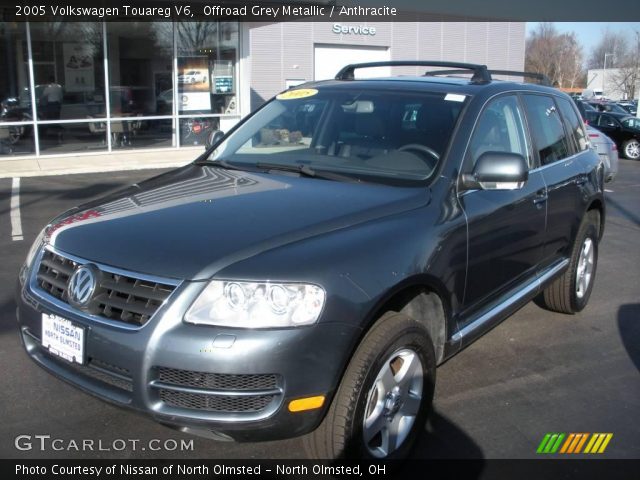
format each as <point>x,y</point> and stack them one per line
<point>257,304</point>
<point>35,247</point>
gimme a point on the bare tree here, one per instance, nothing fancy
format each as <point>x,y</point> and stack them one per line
<point>627,74</point>
<point>610,43</point>
<point>193,36</point>
<point>557,55</point>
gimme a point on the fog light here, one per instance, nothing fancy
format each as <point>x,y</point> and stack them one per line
<point>309,403</point>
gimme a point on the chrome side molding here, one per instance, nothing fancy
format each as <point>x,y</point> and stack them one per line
<point>494,315</point>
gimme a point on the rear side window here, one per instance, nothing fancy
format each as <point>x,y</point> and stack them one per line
<point>547,131</point>
<point>574,125</point>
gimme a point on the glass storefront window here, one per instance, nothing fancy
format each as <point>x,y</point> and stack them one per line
<point>82,137</point>
<point>144,103</point>
<point>140,68</point>
<point>207,57</point>
<point>16,139</point>
<point>68,70</point>
<point>15,101</point>
<point>141,133</point>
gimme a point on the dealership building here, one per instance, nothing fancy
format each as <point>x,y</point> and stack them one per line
<point>99,91</point>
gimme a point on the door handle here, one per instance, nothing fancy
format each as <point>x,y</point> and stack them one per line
<point>540,198</point>
<point>581,180</point>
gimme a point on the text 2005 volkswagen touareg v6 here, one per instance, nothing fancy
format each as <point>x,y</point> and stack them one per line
<point>310,270</point>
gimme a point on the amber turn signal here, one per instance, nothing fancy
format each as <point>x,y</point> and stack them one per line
<point>309,403</point>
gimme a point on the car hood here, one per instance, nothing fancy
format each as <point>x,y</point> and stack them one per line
<point>194,221</point>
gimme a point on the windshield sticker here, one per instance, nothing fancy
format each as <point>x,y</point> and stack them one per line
<point>454,97</point>
<point>299,93</point>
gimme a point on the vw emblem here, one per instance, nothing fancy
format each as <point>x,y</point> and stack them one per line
<point>81,286</point>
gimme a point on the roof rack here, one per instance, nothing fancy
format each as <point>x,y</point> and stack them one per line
<point>544,80</point>
<point>480,72</point>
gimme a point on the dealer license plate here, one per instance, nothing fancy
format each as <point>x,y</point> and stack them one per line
<point>63,338</point>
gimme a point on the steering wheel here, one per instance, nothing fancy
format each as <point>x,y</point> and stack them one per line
<point>430,160</point>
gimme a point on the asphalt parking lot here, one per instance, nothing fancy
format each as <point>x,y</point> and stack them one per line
<point>537,372</point>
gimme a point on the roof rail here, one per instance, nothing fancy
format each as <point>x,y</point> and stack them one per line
<point>544,80</point>
<point>480,72</point>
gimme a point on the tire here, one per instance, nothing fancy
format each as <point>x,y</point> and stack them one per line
<point>631,149</point>
<point>570,293</point>
<point>401,348</point>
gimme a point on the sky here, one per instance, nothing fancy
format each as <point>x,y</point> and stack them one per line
<point>589,33</point>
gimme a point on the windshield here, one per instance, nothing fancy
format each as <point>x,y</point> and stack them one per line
<point>632,122</point>
<point>370,135</point>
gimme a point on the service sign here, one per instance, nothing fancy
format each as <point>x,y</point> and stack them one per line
<point>63,338</point>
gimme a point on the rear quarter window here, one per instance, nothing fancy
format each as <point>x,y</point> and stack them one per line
<point>574,125</point>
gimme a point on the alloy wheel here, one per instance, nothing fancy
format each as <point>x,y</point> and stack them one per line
<point>393,402</point>
<point>632,150</point>
<point>584,272</point>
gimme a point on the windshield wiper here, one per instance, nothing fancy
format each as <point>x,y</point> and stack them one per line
<point>220,164</point>
<point>307,171</point>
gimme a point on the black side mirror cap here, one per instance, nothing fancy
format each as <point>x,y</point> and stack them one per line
<point>214,137</point>
<point>497,171</point>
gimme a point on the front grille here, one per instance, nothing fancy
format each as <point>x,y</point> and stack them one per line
<point>117,297</point>
<point>54,273</point>
<point>217,381</point>
<point>215,403</point>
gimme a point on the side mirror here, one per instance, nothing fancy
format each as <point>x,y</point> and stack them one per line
<point>214,137</point>
<point>497,171</point>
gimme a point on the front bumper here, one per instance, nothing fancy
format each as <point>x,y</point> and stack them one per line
<point>222,383</point>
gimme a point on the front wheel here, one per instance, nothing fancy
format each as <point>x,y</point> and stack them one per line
<point>631,149</point>
<point>382,403</point>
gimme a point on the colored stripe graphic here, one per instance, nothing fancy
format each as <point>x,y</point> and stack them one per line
<point>555,447</point>
<point>583,439</point>
<point>573,443</point>
<point>566,445</point>
<point>598,443</point>
<point>550,443</point>
<point>543,443</point>
<point>605,443</point>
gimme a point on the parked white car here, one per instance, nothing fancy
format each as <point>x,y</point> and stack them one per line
<point>607,151</point>
<point>192,76</point>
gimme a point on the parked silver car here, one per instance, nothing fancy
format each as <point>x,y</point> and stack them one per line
<point>607,151</point>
